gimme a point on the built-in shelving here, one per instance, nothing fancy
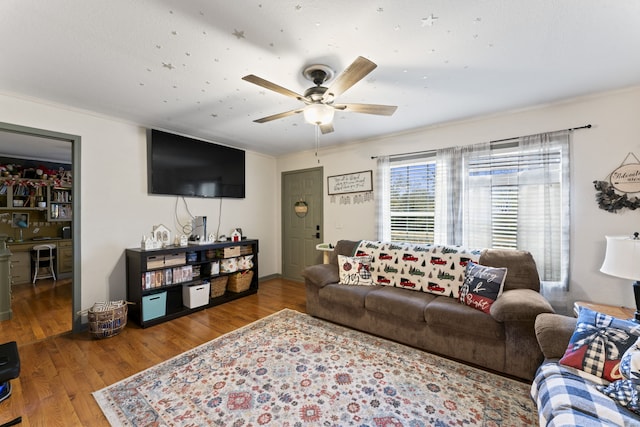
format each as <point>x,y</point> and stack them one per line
<point>25,194</point>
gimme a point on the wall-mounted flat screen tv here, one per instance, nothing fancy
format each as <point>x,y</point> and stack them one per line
<point>182,166</point>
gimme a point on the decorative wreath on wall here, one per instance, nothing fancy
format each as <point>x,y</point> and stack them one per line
<point>613,194</point>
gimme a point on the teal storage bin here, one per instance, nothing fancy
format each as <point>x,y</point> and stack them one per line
<point>154,305</point>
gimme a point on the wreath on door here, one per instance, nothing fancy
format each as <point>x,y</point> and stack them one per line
<point>613,192</point>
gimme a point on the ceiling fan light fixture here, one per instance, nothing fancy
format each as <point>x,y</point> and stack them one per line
<point>318,114</point>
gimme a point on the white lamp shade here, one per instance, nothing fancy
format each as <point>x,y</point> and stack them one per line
<point>622,258</point>
<point>318,114</point>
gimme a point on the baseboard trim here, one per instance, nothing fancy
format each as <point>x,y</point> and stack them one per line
<point>269,277</point>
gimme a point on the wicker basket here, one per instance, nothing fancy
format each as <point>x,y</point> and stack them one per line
<point>240,282</point>
<point>107,319</point>
<point>218,286</point>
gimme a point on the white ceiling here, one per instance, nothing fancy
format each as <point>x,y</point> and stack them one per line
<point>177,65</point>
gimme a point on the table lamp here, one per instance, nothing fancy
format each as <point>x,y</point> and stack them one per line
<point>622,259</point>
<point>21,224</point>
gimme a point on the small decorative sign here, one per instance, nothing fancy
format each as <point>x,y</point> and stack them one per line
<point>626,178</point>
<point>356,182</point>
<point>613,195</point>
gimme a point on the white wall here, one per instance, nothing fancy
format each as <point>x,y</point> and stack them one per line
<point>595,153</point>
<point>115,207</point>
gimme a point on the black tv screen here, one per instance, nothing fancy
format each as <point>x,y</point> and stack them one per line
<point>182,166</point>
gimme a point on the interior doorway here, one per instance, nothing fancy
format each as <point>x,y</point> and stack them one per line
<point>301,231</point>
<point>23,142</point>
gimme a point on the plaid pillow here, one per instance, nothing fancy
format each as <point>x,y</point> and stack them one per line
<point>624,392</point>
<point>598,343</point>
<point>627,391</point>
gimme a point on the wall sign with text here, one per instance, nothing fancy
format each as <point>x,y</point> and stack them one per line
<point>613,194</point>
<point>356,182</point>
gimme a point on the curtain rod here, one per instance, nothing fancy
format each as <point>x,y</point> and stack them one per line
<point>490,142</point>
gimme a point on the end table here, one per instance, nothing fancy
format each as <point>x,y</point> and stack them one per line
<point>612,310</point>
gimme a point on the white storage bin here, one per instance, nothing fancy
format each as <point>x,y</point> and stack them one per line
<point>195,295</point>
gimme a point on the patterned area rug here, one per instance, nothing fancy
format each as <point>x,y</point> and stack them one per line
<point>291,369</point>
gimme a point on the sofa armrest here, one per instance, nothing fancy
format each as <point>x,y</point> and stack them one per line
<point>519,305</point>
<point>321,274</point>
<point>553,332</point>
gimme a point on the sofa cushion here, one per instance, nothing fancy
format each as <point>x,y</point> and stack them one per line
<point>448,314</point>
<point>351,296</point>
<point>523,273</point>
<point>343,247</point>
<point>397,302</point>
<point>482,286</point>
<point>355,270</point>
<point>321,274</point>
<point>598,343</point>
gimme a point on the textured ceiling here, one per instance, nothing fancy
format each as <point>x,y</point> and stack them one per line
<point>177,65</point>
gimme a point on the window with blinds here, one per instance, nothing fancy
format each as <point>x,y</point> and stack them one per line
<point>511,195</point>
<point>514,180</point>
<point>412,201</point>
<point>505,186</point>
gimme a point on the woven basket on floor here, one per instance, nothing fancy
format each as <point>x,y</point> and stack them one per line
<point>107,319</point>
<point>218,286</point>
<point>240,282</point>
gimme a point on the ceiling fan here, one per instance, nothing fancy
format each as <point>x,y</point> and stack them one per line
<point>319,100</point>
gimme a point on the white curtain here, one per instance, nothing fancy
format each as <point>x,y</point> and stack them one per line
<point>517,196</point>
<point>541,193</point>
<point>447,204</point>
<point>383,192</point>
<point>453,199</point>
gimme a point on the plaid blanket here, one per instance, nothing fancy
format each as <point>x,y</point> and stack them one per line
<point>568,397</point>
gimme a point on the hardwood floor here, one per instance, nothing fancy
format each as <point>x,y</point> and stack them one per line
<point>58,374</point>
<point>39,312</point>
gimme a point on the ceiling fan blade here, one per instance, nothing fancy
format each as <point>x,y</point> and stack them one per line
<point>272,86</point>
<point>328,128</point>
<point>350,76</point>
<point>279,115</point>
<point>380,110</point>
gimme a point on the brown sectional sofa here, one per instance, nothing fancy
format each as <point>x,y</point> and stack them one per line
<point>504,341</point>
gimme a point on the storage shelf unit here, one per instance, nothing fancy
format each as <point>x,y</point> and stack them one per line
<point>155,278</point>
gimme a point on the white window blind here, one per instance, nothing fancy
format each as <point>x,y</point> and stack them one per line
<point>412,201</point>
<point>515,179</point>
